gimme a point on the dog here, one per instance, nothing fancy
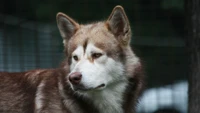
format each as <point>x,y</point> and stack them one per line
<point>100,74</point>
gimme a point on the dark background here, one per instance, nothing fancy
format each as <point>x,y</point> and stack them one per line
<point>29,39</point>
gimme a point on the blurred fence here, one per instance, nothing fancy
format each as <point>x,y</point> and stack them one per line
<point>26,45</point>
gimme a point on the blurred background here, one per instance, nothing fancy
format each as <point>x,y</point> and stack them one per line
<point>29,39</point>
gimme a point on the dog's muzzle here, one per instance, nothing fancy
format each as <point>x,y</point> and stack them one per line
<point>75,80</point>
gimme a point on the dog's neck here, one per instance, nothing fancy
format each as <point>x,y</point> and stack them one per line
<point>109,100</point>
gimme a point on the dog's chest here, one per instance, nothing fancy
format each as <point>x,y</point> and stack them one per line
<point>109,105</point>
<point>110,100</point>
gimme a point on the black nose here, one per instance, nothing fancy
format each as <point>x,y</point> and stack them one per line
<point>75,78</point>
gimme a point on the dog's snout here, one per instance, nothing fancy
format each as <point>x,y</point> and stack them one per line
<point>75,78</point>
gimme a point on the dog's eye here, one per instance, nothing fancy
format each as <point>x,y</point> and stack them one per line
<point>96,55</point>
<point>75,58</point>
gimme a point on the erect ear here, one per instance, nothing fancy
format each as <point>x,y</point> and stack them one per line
<point>67,26</point>
<point>118,23</point>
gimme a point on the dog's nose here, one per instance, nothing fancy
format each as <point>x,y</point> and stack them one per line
<point>75,78</point>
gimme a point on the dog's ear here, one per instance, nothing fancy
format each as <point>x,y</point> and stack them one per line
<point>119,25</point>
<point>67,26</point>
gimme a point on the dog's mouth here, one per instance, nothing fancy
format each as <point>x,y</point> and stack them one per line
<point>100,86</point>
<point>82,88</point>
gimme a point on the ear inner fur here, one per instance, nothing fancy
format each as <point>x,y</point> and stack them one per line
<point>120,8</point>
<point>66,25</point>
<point>118,24</point>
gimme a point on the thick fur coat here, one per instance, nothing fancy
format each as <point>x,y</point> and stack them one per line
<point>101,73</point>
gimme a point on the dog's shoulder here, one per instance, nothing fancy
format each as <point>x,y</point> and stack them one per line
<point>29,88</point>
<point>30,78</point>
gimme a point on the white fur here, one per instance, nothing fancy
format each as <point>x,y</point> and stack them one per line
<point>39,96</point>
<point>64,25</point>
<point>103,70</point>
<point>64,42</point>
<point>110,99</point>
<point>79,53</point>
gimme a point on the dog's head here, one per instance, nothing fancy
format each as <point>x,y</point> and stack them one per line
<point>95,52</point>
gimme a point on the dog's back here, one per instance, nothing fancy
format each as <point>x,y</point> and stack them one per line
<point>13,98</point>
<point>24,92</point>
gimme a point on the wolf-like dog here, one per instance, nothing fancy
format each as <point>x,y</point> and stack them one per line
<point>100,74</point>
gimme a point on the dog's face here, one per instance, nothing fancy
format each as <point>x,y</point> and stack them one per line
<point>95,52</point>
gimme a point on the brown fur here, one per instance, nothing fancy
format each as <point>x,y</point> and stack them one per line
<point>19,91</point>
